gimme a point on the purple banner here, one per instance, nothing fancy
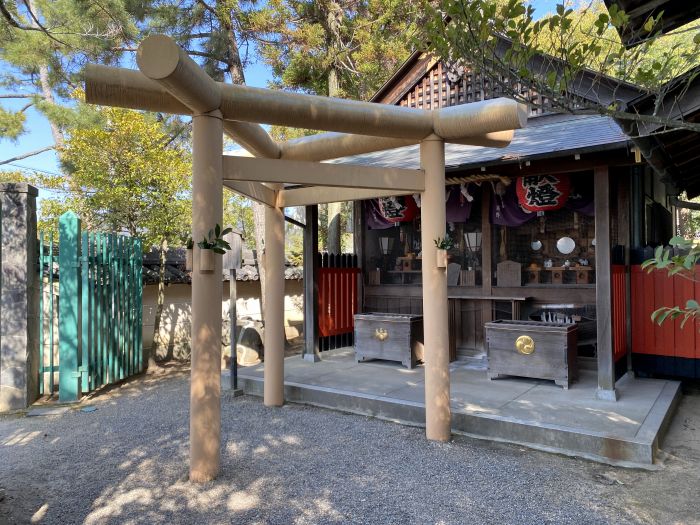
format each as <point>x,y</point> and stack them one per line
<point>458,207</point>
<point>373,216</point>
<point>459,199</point>
<point>506,210</point>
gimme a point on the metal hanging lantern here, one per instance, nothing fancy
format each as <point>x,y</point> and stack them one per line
<point>473,240</point>
<point>386,244</point>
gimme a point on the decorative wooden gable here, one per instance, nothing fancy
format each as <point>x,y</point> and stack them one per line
<point>428,83</point>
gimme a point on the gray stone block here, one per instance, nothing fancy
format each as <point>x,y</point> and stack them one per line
<point>19,293</point>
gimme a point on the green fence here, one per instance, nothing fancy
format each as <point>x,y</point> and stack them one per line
<point>91,305</point>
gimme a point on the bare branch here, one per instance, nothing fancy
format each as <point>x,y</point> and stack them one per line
<point>26,155</point>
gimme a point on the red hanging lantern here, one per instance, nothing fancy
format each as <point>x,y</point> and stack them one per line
<point>543,192</point>
<point>398,209</point>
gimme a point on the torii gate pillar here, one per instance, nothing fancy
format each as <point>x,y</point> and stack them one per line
<point>207,290</point>
<point>273,394</point>
<point>435,329</point>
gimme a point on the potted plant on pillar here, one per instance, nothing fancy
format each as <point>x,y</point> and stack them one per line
<point>213,243</point>
<point>443,244</point>
<point>188,255</point>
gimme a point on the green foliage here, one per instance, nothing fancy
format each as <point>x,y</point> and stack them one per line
<point>682,266</point>
<point>12,176</point>
<point>43,51</point>
<point>11,123</point>
<point>337,47</point>
<point>214,240</point>
<point>549,54</point>
<point>238,211</point>
<point>444,243</point>
<point>127,175</point>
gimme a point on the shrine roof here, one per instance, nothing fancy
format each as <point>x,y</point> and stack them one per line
<point>545,136</point>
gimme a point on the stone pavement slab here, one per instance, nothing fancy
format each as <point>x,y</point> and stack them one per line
<point>533,412</point>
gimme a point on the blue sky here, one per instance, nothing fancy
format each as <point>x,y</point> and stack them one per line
<point>38,133</point>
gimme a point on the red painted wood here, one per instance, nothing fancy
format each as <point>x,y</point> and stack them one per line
<point>619,312</point>
<point>637,300</point>
<point>337,301</point>
<point>651,291</point>
<point>685,337</point>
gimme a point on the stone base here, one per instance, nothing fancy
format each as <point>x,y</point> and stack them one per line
<point>606,395</point>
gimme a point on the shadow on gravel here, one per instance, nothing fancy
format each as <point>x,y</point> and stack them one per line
<point>127,462</point>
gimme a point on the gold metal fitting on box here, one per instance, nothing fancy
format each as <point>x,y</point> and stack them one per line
<point>525,345</point>
<point>381,334</point>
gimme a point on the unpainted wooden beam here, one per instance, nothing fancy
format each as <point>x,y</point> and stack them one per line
<point>317,174</point>
<point>253,190</point>
<point>326,194</point>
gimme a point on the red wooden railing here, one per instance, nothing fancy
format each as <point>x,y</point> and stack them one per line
<point>619,312</point>
<point>337,300</point>
<point>651,291</point>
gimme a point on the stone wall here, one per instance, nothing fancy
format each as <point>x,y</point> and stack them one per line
<point>175,324</point>
<point>19,297</point>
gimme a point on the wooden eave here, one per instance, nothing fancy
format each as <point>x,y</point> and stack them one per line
<point>676,13</point>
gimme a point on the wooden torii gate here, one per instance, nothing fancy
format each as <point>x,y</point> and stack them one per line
<point>169,81</point>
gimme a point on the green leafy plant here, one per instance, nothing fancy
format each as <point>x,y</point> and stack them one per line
<point>215,241</point>
<point>683,266</point>
<point>444,243</point>
<point>190,243</point>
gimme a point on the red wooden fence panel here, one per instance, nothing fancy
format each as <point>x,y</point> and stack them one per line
<point>654,290</point>
<point>619,312</point>
<point>337,300</point>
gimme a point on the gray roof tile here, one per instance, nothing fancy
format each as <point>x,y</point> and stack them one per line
<point>543,136</point>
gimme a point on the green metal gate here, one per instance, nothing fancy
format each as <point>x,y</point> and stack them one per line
<point>95,315</point>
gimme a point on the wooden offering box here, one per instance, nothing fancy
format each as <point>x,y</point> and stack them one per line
<point>394,337</point>
<point>532,349</point>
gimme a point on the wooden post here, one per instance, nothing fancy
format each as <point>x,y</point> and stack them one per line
<point>233,320</point>
<point>358,241</point>
<point>435,315</point>
<point>486,255</point>
<point>623,238</point>
<point>311,349</point>
<point>273,387</point>
<point>207,292</point>
<point>606,363</point>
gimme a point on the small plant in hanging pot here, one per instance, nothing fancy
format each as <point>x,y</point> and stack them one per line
<point>443,244</point>
<point>213,243</point>
<point>188,255</point>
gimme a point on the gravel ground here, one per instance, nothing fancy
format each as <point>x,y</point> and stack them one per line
<point>126,462</point>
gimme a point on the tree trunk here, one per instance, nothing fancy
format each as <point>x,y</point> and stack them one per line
<point>235,69</point>
<point>46,92</point>
<point>333,244</point>
<point>334,16</point>
<point>157,343</point>
<point>259,222</point>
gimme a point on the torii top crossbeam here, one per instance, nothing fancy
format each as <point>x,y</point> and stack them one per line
<point>169,81</point>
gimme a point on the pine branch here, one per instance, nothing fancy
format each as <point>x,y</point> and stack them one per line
<point>26,155</point>
<point>38,25</point>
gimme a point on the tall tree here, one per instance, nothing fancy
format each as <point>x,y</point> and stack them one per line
<point>43,46</point>
<point>338,48</point>
<point>221,34</point>
<point>572,57</point>
<point>140,187</point>
<point>345,48</point>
